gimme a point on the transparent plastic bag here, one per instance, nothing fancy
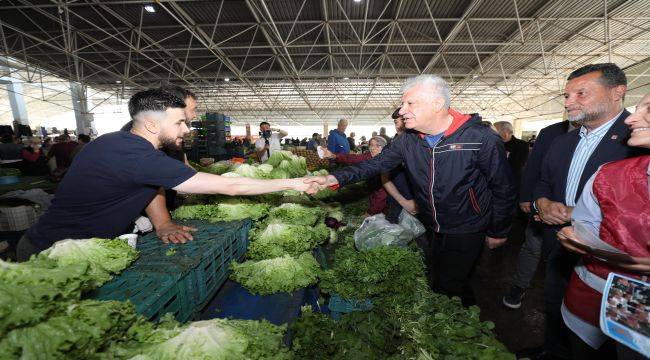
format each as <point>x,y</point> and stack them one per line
<point>377,231</point>
<point>411,223</point>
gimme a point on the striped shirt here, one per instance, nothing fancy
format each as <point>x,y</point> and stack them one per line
<point>586,146</point>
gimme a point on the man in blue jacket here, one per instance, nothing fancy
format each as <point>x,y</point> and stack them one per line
<point>460,176</point>
<point>337,142</point>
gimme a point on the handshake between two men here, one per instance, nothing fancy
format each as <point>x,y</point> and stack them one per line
<point>313,184</point>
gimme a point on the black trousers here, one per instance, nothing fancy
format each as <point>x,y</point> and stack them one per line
<point>454,260</point>
<point>609,351</point>
<point>559,266</point>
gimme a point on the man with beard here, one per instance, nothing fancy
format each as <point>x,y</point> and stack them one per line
<point>593,99</point>
<point>120,173</point>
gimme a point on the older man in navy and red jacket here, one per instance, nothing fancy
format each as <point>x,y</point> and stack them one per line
<point>460,176</point>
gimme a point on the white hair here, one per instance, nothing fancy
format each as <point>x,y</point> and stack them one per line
<point>343,121</point>
<point>439,85</point>
<point>504,125</point>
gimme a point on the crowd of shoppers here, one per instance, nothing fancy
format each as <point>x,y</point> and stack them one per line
<point>35,156</point>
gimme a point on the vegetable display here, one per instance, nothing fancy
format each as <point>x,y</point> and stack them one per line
<point>379,273</point>
<point>43,313</point>
<point>298,214</point>
<point>84,329</point>
<point>214,339</point>
<point>221,212</point>
<point>104,256</point>
<point>281,274</point>
<point>279,239</point>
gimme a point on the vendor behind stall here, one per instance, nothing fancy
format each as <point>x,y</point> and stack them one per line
<point>118,175</point>
<point>377,198</point>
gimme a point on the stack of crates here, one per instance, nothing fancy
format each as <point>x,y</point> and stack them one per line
<point>217,134</point>
<point>179,279</point>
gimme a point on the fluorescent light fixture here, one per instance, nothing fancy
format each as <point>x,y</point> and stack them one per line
<point>357,1</point>
<point>346,78</point>
<point>150,8</point>
<point>226,79</point>
<point>475,77</point>
<point>551,97</point>
<point>118,81</point>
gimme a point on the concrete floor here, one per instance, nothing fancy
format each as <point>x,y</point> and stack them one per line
<point>517,329</point>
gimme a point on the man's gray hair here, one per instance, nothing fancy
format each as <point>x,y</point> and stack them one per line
<point>504,125</point>
<point>343,120</point>
<point>439,85</point>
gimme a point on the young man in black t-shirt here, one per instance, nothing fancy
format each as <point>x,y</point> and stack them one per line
<point>119,174</point>
<point>178,154</point>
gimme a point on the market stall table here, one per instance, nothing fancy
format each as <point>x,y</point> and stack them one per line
<point>30,182</point>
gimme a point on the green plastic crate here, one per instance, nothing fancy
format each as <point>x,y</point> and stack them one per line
<point>189,276</point>
<point>152,295</point>
<point>203,263</point>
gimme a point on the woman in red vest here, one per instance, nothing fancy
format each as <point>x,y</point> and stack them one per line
<point>615,209</point>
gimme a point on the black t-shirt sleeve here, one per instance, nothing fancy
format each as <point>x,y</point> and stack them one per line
<point>158,169</point>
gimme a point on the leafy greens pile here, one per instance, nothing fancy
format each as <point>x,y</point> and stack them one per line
<point>287,165</point>
<point>32,291</point>
<point>81,331</point>
<point>279,239</point>
<point>281,274</point>
<point>104,256</point>
<point>407,321</point>
<point>298,214</point>
<point>381,274</point>
<point>210,339</point>
<point>222,211</point>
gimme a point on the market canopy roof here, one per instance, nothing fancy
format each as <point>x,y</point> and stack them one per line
<point>308,61</point>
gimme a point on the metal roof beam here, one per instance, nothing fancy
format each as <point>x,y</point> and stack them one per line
<point>452,33</point>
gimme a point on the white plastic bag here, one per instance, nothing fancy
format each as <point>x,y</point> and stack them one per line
<point>411,223</point>
<point>377,231</point>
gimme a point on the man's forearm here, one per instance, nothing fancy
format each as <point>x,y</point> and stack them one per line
<point>157,209</point>
<point>391,189</point>
<point>203,183</point>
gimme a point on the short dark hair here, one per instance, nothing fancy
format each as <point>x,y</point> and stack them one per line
<point>396,113</point>
<point>314,135</point>
<point>153,100</point>
<point>85,138</point>
<point>611,74</point>
<point>264,123</point>
<point>180,92</point>
<point>7,138</point>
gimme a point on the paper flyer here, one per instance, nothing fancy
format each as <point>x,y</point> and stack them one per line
<point>625,312</point>
<point>591,243</point>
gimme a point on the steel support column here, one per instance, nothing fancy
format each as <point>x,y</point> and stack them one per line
<point>15,94</point>
<point>83,118</point>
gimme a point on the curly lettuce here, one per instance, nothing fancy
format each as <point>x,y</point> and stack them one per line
<point>298,214</point>
<point>278,239</point>
<point>281,274</point>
